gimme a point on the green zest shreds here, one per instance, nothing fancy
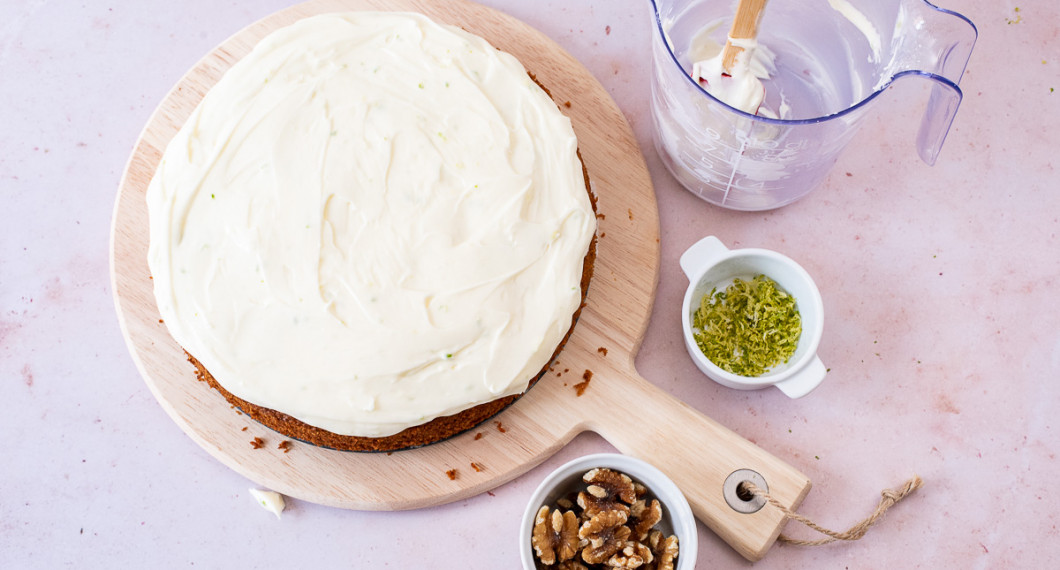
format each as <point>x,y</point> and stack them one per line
<point>749,327</point>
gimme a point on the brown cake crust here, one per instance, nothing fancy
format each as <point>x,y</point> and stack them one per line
<point>433,431</point>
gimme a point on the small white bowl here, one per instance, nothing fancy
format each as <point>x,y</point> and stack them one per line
<point>677,516</point>
<point>708,263</point>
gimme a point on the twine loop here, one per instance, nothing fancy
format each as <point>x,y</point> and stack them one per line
<point>889,497</point>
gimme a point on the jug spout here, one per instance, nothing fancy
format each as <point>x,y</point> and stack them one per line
<point>934,43</point>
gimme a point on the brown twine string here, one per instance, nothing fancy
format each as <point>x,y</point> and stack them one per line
<point>889,498</point>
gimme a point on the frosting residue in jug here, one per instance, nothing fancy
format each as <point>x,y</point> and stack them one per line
<point>872,37</point>
<point>740,87</point>
<point>862,23</point>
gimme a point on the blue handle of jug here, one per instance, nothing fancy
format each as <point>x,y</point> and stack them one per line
<point>940,44</point>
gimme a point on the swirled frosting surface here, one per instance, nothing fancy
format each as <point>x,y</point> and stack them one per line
<point>370,221</point>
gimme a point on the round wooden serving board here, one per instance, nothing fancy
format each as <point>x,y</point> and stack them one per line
<point>696,452</point>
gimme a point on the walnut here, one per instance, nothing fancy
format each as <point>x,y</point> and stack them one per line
<point>665,550</point>
<point>643,517</point>
<point>608,524</point>
<point>607,490</point>
<point>632,555</point>
<point>606,532</point>
<point>570,565</point>
<point>555,537</point>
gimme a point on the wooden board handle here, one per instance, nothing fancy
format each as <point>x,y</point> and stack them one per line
<point>699,454</point>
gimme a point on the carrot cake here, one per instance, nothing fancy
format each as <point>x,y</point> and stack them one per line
<point>373,232</point>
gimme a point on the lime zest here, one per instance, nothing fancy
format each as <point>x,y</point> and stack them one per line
<point>748,328</point>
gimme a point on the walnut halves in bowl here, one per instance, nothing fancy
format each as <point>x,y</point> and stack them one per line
<point>555,537</point>
<point>611,526</point>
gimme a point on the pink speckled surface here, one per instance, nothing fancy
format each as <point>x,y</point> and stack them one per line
<point>940,284</point>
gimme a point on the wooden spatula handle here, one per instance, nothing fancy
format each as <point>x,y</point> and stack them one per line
<point>744,26</point>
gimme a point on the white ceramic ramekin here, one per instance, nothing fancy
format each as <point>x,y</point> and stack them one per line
<point>708,263</point>
<point>677,515</point>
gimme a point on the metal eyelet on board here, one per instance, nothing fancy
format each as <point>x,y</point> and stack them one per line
<point>730,490</point>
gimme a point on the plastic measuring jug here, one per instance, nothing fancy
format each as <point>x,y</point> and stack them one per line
<point>830,60</point>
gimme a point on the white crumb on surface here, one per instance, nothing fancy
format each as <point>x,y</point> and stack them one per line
<point>269,500</point>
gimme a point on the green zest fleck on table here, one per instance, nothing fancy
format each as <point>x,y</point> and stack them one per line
<point>749,327</point>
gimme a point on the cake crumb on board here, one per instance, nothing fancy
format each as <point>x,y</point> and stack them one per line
<point>580,387</point>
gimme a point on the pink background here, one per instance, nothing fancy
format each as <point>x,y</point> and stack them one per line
<point>940,286</point>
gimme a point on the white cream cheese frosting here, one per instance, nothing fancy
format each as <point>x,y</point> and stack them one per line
<point>269,500</point>
<point>370,221</point>
<point>740,87</point>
